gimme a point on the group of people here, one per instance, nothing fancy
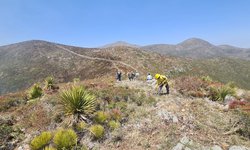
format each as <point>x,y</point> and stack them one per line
<point>131,75</point>
<point>161,80</point>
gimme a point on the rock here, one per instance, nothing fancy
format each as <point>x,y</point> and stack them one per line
<point>238,148</point>
<point>215,147</point>
<point>179,146</point>
<point>24,147</point>
<point>228,99</point>
<point>167,116</point>
<point>164,115</point>
<point>175,119</point>
<point>185,140</point>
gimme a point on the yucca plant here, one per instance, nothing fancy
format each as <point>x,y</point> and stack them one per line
<point>65,139</point>
<point>78,102</point>
<point>39,142</point>
<point>220,93</point>
<point>49,83</point>
<point>224,91</point>
<point>35,91</point>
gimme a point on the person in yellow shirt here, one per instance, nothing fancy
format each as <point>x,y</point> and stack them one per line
<point>162,81</point>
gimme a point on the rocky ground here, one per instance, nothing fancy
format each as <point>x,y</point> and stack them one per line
<point>174,121</point>
<point>177,122</point>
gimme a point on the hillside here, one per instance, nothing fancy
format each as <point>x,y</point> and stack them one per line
<point>198,48</point>
<point>25,63</point>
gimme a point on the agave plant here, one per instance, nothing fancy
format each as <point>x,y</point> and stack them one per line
<point>35,91</point>
<point>49,83</point>
<point>78,102</point>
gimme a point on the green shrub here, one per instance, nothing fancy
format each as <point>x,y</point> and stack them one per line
<point>65,139</point>
<point>206,79</point>
<point>41,141</point>
<point>101,117</point>
<point>76,80</point>
<point>78,102</point>
<point>97,131</point>
<point>114,124</point>
<point>35,91</point>
<point>231,85</point>
<point>121,105</point>
<point>81,126</point>
<point>49,83</point>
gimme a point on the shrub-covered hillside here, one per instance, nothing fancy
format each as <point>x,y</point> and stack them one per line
<point>105,114</point>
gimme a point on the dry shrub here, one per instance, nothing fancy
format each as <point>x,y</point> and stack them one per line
<point>236,104</point>
<point>191,86</point>
<point>35,117</point>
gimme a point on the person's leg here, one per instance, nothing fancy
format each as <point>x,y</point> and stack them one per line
<point>167,88</point>
<point>160,89</point>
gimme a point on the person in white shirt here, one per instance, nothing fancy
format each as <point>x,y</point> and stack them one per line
<point>149,77</point>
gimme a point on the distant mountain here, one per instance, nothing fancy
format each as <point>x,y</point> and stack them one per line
<point>198,48</point>
<point>119,43</point>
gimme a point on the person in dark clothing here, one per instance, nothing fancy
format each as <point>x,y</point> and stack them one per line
<point>118,75</point>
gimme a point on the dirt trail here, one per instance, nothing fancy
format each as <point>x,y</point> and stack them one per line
<point>97,58</point>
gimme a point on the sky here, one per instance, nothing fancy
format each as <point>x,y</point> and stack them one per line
<point>93,23</point>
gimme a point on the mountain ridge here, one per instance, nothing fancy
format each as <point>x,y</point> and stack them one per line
<point>23,64</point>
<point>198,48</point>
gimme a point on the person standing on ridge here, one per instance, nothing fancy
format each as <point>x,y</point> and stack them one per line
<point>118,75</point>
<point>162,81</point>
<point>149,77</point>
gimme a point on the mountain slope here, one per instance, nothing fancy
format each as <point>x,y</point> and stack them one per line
<point>25,63</point>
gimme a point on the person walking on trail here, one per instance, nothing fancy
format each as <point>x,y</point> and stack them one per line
<point>137,75</point>
<point>161,81</point>
<point>149,77</point>
<point>119,75</point>
<point>130,76</point>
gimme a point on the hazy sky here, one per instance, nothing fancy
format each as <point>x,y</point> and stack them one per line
<point>90,23</point>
